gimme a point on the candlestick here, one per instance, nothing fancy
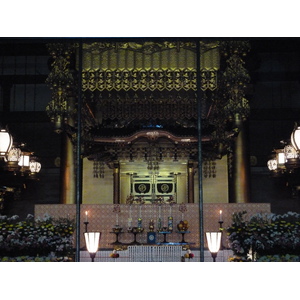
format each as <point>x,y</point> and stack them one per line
<point>86,226</point>
<point>221,225</point>
<point>170,223</point>
<point>221,230</point>
<point>129,222</point>
<point>139,223</point>
<point>159,225</point>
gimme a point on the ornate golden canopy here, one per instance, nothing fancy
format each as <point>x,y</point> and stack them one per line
<point>131,86</point>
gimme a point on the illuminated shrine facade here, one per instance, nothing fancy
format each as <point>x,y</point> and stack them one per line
<point>144,106</point>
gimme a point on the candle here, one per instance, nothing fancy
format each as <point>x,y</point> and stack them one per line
<point>221,218</point>
<point>159,224</point>
<point>129,222</point>
<point>139,223</point>
<point>86,216</point>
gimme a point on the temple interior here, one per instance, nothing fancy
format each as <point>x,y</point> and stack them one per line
<point>142,133</point>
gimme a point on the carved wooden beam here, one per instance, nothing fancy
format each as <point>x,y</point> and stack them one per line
<point>151,135</point>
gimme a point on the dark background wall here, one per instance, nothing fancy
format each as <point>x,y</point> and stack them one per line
<point>274,66</point>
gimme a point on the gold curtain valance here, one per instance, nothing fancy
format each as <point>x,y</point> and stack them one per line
<point>134,56</point>
<point>139,80</point>
<point>166,66</point>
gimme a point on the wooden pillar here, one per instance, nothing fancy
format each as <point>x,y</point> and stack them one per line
<point>68,163</point>
<point>67,171</point>
<point>240,185</point>
<point>116,175</point>
<point>191,198</point>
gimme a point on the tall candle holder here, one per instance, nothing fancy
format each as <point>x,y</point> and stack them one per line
<point>86,225</point>
<point>214,242</point>
<point>221,225</point>
<point>86,222</point>
<point>129,201</point>
<point>221,229</point>
<point>117,210</point>
<point>140,201</point>
<point>92,240</point>
<point>170,218</point>
<point>159,202</point>
<point>139,225</point>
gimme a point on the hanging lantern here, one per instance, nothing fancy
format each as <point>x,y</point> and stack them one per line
<point>280,157</point>
<point>288,158</point>
<point>34,167</point>
<point>24,161</point>
<point>295,138</point>
<point>292,157</point>
<point>290,152</point>
<point>277,164</point>
<point>12,159</point>
<point>272,164</point>
<point>6,142</point>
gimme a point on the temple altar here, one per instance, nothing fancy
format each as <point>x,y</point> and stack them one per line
<point>103,218</point>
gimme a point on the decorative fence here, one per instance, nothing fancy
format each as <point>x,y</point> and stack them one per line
<point>154,254</point>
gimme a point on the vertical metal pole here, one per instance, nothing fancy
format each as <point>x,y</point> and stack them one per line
<point>78,155</point>
<point>199,98</point>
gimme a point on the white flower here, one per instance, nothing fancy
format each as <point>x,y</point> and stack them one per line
<point>41,239</point>
<point>14,217</point>
<point>3,218</point>
<point>30,217</point>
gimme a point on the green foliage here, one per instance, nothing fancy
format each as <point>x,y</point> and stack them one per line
<point>43,237</point>
<point>265,236</point>
<point>279,258</point>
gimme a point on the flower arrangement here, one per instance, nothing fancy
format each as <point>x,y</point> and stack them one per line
<point>114,254</point>
<point>44,237</point>
<point>188,255</point>
<point>235,259</point>
<point>24,258</point>
<point>265,236</point>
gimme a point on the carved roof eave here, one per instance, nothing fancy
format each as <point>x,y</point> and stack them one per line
<point>151,135</point>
